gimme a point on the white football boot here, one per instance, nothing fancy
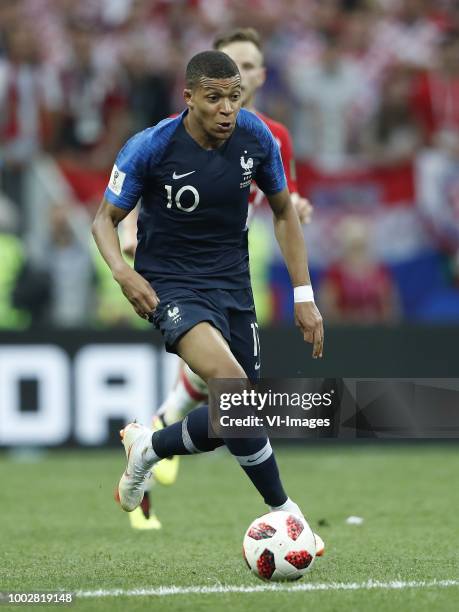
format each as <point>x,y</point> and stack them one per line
<point>136,440</point>
<point>320,546</point>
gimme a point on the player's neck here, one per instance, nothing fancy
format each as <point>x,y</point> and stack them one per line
<point>250,105</point>
<point>199,135</point>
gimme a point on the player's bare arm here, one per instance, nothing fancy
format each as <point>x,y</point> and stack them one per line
<point>137,290</point>
<point>291,241</point>
<point>128,237</point>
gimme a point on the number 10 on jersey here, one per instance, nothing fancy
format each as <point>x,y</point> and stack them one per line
<point>179,194</point>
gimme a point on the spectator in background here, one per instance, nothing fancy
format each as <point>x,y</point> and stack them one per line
<point>48,19</point>
<point>437,169</point>
<point>436,96</point>
<point>337,71</point>
<point>91,99</point>
<point>11,258</point>
<point>29,100</point>
<point>393,135</point>
<point>357,290</point>
<point>59,291</point>
<point>148,93</point>
<point>146,49</point>
<point>10,16</point>
<point>297,41</point>
<point>144,30</point>
<point>437,187</point>
<point>70,268</point>
<point>96,119</point>
<point>359,47</point>
<point>326,93</point>
<point>408,33</point>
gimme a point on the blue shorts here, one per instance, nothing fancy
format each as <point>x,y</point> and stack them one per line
<point>230,311</point>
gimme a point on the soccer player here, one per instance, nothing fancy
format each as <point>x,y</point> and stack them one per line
<point>191,276</point>
<point>243,45</point>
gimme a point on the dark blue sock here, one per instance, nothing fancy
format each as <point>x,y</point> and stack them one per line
<point>168,441</point>
<point>256,458</point>
<point>255,455</point>
<point>186,437</point>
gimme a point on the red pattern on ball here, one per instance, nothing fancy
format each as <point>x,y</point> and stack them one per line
<point>265,564</point>
<point>261,531</point>
<point>300,559</point>
<point>294,527</point>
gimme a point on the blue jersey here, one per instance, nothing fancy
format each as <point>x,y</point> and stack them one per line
<point>194,202</point>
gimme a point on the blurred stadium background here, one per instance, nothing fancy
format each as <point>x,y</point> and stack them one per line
<point>370,91</point>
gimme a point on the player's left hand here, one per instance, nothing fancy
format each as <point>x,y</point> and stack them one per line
<point>303,208</point>
<point>129,246</point>
<point>309,320</point>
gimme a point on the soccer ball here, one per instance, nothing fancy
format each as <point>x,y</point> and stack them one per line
<point>279,546</point>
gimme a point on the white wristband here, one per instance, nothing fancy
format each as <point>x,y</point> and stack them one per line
<point>303,294</point>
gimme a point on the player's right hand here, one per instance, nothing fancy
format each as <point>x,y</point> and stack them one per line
<point>303,208</point>
<point>138,291</point>
<point>309,320</point>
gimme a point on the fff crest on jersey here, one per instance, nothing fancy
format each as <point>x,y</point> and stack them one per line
<point>173,313</point>
<point>246,166</point>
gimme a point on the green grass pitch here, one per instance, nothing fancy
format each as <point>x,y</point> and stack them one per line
<point>62,530</point>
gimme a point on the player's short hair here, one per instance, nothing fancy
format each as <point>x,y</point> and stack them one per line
<point>212,64</point>
<point>238,35</point>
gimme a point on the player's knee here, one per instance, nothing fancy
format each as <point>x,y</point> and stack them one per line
<point>224,369</point>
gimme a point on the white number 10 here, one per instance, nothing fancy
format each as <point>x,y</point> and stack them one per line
<point>182,190</point>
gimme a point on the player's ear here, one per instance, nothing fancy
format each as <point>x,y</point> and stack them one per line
<point>261,76</point>
<point>188,97</point>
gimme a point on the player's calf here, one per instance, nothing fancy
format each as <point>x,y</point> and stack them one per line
<point>189,391</point>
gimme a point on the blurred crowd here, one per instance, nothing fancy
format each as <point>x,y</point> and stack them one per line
<point>362,84</point>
